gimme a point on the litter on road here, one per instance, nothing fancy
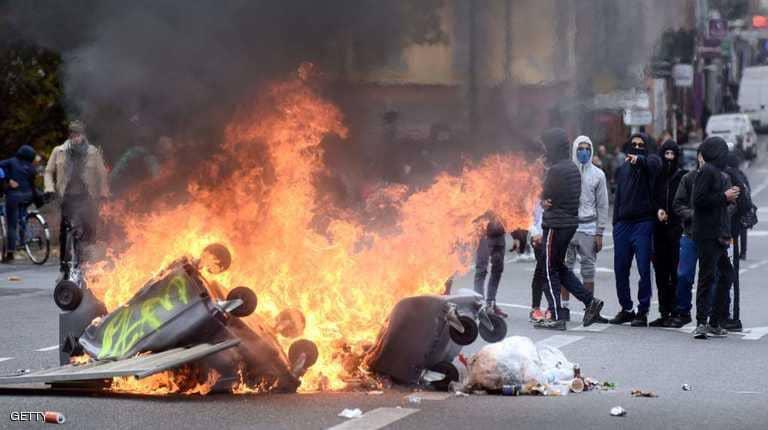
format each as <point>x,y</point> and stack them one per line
<point>351,413</point>
<point>641,393</point>
<point>618,411</point>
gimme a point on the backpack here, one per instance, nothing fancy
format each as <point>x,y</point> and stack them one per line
<point>746,211</point>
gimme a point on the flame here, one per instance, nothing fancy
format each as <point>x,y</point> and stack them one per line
<point>163,383</point>
<point>79,360</point>
<point>257,196</point>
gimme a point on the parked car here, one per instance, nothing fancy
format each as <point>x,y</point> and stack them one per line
<point>753,95</point>
<point>737,130</point>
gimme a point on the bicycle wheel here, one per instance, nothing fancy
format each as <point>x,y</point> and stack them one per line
<point>37,238</point>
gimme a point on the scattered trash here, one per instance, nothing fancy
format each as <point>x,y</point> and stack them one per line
<point>511,390</point>
<point>641,393</point>
<point>413,399</point>
<point>460,394</point>
<point>686,387</point>
<point>351,413</point>
<point>618,411</point>
<point>577,385</point>
<point>479,392</point>
<point>52,417</point>
<point>608,385</point>
<point>375,393</point>
<point>23,371</point>
<point>14,279</point>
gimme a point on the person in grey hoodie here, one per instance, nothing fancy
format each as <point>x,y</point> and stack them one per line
<point>594,216</point>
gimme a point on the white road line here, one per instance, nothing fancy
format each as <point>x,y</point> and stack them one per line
<point>754,333</point>
<point>594,328</point>
<point>758,189</point>
<point>5,359</point>
<point>430,395</point>
<point>753,266</point>
<point>559,340</point>
<point>48,348</point>
<point>375,419</point>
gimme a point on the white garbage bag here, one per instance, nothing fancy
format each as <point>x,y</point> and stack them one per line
<point>517,360</point>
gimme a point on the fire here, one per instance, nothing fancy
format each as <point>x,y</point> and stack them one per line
<point>79,360</point>
<point>163,383</point>
<point>257,196</point>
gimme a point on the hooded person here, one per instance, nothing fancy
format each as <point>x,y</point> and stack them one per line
<point>713,197</point>
<point>745,203</point>
<point>593,216</point>
<point>667,233</point>
<point>634,216</point>
<point>20,175</point>
<point>560,219</point>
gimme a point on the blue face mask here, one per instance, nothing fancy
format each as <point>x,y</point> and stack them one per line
<point>583,155</point>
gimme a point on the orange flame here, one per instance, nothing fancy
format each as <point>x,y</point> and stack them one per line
<point>345,279</point>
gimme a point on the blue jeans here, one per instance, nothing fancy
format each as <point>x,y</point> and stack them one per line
<point>686,272</point>
<point>15,206</point>
<point>633,240</point>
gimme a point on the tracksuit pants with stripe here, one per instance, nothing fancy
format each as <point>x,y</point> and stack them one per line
<point>555,274</point>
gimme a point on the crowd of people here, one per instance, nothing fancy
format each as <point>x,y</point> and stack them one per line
<point>663,218</point>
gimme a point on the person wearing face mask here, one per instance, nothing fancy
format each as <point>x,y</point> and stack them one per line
<point>714,199</point>
<point>634,215</point>
<point>593,218</point>
<point>77,175</point>
<point>666,238</point>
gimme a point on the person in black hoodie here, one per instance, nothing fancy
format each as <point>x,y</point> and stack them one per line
<point>634,215</point>
<point>20,174</point>
<point>666,238</point>
<point>490,248</point>
<point>560,200</point>
<point>712,196</point>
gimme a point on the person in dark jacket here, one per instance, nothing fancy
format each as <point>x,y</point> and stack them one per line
<point>712,196</point>
<point>688,255</point>
<point>634,216</point>
<point>20,173</point>
<point>666,237</point>
<point>560,200</point>
<point>490,247</point>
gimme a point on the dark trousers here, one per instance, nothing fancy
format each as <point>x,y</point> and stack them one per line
<point>79,216</point>
<point>489,250</point>
<point>686,273</point>
<point>666,255</point>
<point>539,274</point>
<point>633,241</point>
<point>743,242</point>
<point>15,203</point>
<point>715,272</point>
<point>555,273</point>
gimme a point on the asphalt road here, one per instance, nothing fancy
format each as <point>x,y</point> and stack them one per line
<point>729,377</point>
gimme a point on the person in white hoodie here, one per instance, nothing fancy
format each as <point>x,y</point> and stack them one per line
<point>594,216</point>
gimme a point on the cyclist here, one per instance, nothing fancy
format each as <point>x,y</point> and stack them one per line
<point>20,187</point>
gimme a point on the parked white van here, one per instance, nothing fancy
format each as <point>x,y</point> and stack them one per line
<point>753,95</point>
<point>737,130</point>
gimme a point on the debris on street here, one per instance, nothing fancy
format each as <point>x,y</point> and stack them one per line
<point>351,413</point>
<point>686,387</point>
<point>14,279</point>
<point>641,393</point>
<point>618,411</point>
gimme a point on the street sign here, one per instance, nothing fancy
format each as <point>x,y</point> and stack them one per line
<point>637,117</point>
<point>683,75</point>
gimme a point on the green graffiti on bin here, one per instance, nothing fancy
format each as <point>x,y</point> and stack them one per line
<point>123,331</point>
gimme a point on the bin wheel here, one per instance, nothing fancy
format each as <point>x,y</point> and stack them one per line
<point>499,331</point>
<point>249,301</point>
<point>470,331</point>
<point>306,347</point>
<point>451,375</point>
<point>67,295</point>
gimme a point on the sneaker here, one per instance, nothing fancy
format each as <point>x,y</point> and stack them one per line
<point>732,325</point>
<point>700,332</point>
<point>7,258</point>
<point>592,312</point>
<point>641,320</point>
<point>550,324</point>
<point>716,331</point>
<point>679,321</point>
<point>564,314</point>
<point>659,322</point>
<point>493,309</point>
<point>623,317</point>
<point>536,315</point>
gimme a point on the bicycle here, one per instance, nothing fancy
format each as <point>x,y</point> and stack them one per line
<point>34,234</point>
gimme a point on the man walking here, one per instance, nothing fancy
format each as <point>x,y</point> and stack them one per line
<point>712,194</point>
<point>560,200</point>
<point>633,221</point>
<point>593,218</point>
<point>490,248</point>
<point>666,238</point>
<point>76,174</point>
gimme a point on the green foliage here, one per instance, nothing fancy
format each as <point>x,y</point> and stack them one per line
<point>30,99</point>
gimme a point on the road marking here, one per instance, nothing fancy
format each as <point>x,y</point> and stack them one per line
<point>48,348</point>
<point>375,419</point>
<point>429,395</point>
<point>754,333</point>
<point>594,328</point>
<point>758,189</point>
<point>5,359</point>
<point>753,266</point>
<point>559,340</point>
